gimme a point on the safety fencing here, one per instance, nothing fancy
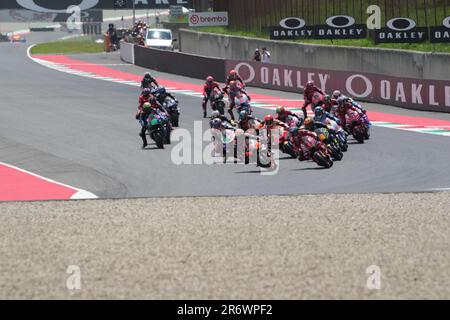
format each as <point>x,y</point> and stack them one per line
<point>411,93</point>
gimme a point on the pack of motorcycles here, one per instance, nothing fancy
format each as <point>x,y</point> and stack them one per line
<point>256,145</point>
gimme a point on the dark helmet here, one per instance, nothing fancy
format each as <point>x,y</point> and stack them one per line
<point>152,100</point>
<point>146,92</point>
<point>216,123</point>
<point>147,76</point>
<point>268,119</point>
<point>310,84</point>
<point>341,101</point>
<point>210,79</point>
<point>243,115</point>
<point>318,112</point>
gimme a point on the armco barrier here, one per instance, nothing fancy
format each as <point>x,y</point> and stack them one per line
<point>179,63</point>
<point>127,52</point>
<point>429,95</point>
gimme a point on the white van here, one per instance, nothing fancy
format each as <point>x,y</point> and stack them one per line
<point>159,39</point>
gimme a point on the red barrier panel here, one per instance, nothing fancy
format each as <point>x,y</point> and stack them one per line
<point>419,94</point>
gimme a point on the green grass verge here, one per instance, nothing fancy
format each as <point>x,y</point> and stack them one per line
<point>69,46</point>
<point>366,43</point>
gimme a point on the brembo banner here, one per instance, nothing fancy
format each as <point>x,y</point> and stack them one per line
<point>60,6</point>
<point>433,95</point>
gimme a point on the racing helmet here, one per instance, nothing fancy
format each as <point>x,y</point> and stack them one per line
<point>210,79</point>
<point>308,123</point>
<point>146,92</point>
<point>216,123</point>
<point>152,100</point>
<point>268,119</point>
<point>215,114</point>
<point>336,94</point>
<point>310,84</point>
<point>146,106</point>
<point>280,110</point>
<point>318,113</point>
<point>243,115</point>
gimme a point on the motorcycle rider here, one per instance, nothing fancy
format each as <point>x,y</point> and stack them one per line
<point>246,121</point>
<point>337,94</point>
<point>283,114</point>
<point>297,135</point>
<point>344,105</point>
<point>209,88</point>
<point>310,90</point>
<point>145,112</point>
<point>161,94</point>
<point>215,115</point>
<point>233,90</point>
<point>148,81</point>
<point>320,115</point>
<point>144,97</point>
<point>329,103</point>
<point>234,76</point>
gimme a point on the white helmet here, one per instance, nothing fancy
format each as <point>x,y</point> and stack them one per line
<point>336,94</point>
<point>215,114</point>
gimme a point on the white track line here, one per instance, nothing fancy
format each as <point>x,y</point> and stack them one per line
<point>80,194</point>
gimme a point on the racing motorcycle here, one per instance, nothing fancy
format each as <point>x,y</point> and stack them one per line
<point>156,132</point>
<point>356,126</point>
<point>242,103</point>
<point>318,151</point>
<point>218,102</point>
<point>172,109</point>
<point>329,140</point>
<point>286,146</point>
<point>223,139</point>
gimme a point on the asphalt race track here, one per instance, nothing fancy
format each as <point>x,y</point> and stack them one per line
<point>82,132</point>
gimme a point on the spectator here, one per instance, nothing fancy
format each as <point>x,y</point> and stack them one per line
<point>265,56</point>
<point>257,56</point>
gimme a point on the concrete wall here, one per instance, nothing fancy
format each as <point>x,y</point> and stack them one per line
<point>127,52</point>
<point>397,63</point>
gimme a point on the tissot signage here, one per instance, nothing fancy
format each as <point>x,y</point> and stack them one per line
<point>61,6</point>
<point>441,34</point>
<point>340,27</point>
<point>335,27</point>
<point>402,30</point>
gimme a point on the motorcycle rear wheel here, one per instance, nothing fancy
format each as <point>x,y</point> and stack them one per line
<point>322,161</point>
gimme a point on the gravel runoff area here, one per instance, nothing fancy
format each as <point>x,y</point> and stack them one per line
<point>300,247</point>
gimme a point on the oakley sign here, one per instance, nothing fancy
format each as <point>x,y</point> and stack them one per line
<point>336,27</point>
<point>341,27</point>
<point>403,30</point>
<point>441,34</point>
